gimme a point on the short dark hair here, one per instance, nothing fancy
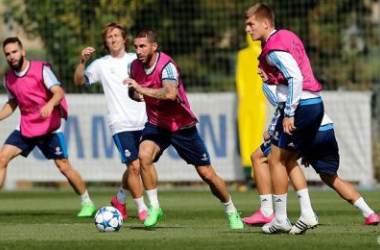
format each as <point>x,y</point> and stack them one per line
<point>108,28</point>
<point>147,32</point>
<point>14,39</point>
<point>261,11</point>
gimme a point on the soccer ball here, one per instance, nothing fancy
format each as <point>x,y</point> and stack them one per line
<point>108,219</point>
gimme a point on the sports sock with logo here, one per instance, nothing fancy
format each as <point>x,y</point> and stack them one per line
<point>266,204</point>
<point>305,203</point>
<point>280,202</point>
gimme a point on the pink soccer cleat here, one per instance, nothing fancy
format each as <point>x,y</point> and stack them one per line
<point>142,215</point>
<point>372,220</point>
<point>258,218</point>
<point>119,206</point>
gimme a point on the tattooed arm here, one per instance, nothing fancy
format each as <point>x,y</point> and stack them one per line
<point>134,95</point>
<point>168,91</point>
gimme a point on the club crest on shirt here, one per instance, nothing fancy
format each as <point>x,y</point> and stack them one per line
<point>204,157</point>
<point>58,151</point>
<point>127,153</point>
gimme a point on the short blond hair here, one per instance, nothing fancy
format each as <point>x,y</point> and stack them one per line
<point>260,11</point>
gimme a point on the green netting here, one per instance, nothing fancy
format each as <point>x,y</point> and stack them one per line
<point>341,36</point>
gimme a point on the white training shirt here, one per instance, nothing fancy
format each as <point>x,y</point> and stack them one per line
<point>125,114</point>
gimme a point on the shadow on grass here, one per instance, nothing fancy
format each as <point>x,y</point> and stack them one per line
<point>39,213</point>
<point>142,228</point>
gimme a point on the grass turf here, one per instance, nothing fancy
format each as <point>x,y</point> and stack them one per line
<point>193,220</point>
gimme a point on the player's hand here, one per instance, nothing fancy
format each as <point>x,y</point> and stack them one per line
<point>262,74</point>
<point>46,110</point>
<point>132,84</point>
<point>266,135</point>
<point>87,53</point>
<point>288,125</point>
<point>305,162</point>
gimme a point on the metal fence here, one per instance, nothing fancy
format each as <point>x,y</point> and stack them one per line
<point>341,37</point>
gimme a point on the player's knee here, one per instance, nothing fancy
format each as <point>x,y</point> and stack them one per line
<point>257,159</point>
<point>63,166</point>
<point>207,174</point>
<point>253,158</point>
<point>328,179</point>
<point>134,168</point>
<point>145,158</point>
<point>3,161</point>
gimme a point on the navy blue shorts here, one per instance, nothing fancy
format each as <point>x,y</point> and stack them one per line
<point>52,145</point>
<point>128,145</point>
<point>187,142</point>
<point>323,153</point>
<point>307,119</point>
<point>265,147</point>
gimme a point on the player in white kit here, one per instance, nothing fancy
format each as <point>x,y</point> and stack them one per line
<point>126,117</point>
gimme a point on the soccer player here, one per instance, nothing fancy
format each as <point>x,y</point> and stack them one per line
<point>262,173</point>
<point>286,64</point>
<point>156,77</point>
<point>32,86</point>
<point>322,154</point>
<point>126,117</point>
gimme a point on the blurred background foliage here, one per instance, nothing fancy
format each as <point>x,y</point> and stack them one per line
<point>341,36</point>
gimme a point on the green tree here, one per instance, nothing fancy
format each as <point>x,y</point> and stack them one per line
<point>203,37</point>
<point>200,35</point>
<point>65,27</point>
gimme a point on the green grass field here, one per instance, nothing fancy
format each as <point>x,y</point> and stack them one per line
<point>194,220</point>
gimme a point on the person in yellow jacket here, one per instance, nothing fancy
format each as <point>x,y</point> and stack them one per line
<point>252,102</point>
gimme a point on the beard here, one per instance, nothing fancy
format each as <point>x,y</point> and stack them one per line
<point>146,60</point>
<point>19,65</point>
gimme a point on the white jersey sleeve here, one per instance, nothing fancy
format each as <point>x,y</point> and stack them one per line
<point>170,72</point>
<point>49,78</point>
<point>92,73</point>
<point>285,63</point>
<point>270,94</point>
<point>273,122</point>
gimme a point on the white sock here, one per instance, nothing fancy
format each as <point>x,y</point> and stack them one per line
<point>122,195</point>
<point>266,204</point>
<point>140,204</point>
<point>305,203</point>
<point>363,207</point>
<point>153,198</point>
<point>229,207</point>
<point>280,202</point>
<point>85,198</point>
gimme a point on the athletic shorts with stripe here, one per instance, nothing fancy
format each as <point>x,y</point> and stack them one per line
<point>307,119</point>
<point>52,145</point>
<point>187,142</point>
